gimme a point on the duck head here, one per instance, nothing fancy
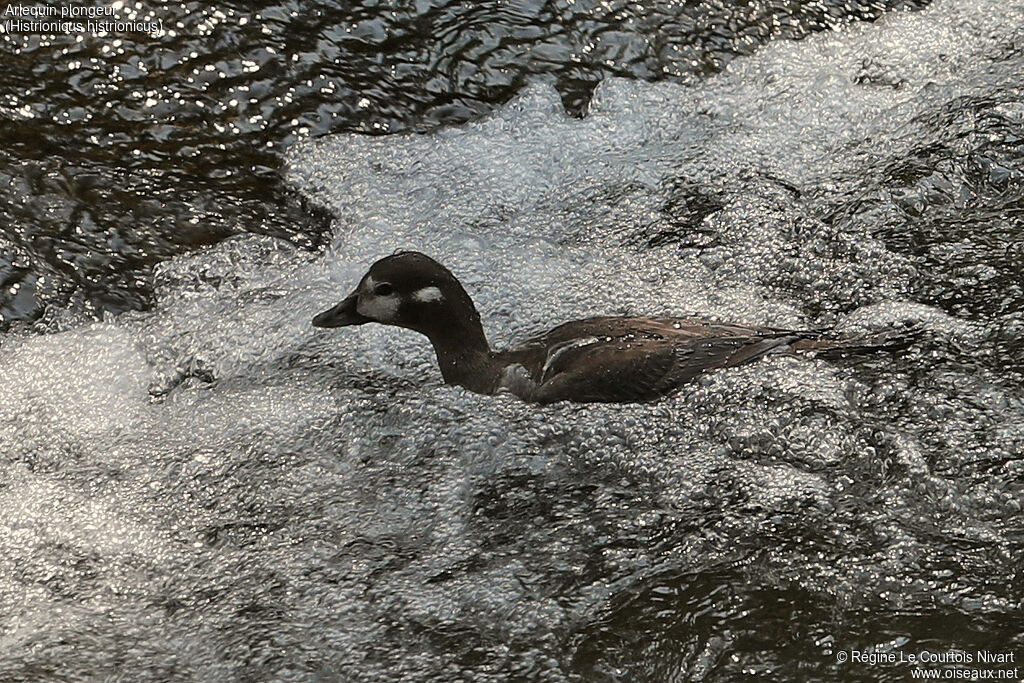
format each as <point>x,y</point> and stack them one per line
<point>409,289</point>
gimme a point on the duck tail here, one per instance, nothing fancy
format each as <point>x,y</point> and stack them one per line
<point>891,338</point>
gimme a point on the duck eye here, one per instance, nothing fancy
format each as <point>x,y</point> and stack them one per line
<point>383,289</point>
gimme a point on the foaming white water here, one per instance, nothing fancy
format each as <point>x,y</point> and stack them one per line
<point>529,205</point>
<point>226,492</point>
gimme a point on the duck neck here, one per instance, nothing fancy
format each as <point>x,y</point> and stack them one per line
<point>465,358</point>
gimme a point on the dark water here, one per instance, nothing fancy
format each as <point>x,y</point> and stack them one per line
<point>116,157</point>
<point>211,489</point>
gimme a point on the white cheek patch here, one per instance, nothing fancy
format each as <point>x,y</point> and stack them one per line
<point>428,294</point>
<point>380,308</point>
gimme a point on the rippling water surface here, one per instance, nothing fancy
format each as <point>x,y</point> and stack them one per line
<point>120,151</point>
<point>212,489</point>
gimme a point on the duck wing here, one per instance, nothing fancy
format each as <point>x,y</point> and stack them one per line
<point>635,359</point>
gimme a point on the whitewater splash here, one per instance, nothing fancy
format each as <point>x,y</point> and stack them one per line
<point>215,489</point>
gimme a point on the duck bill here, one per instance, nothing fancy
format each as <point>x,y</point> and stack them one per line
<point>342,315</point>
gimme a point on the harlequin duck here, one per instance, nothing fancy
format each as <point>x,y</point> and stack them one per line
<point>608,359</point>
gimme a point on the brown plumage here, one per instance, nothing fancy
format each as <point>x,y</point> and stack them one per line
<point>607,359</point>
